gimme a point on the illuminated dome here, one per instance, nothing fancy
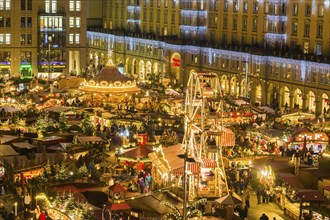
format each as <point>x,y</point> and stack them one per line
<point>110,80</point>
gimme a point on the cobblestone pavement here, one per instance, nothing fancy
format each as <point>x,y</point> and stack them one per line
<point>271,209</point>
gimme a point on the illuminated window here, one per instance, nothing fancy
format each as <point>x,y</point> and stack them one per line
<point>245,7</point>
<point>255,24</point>
<point>47,6</point>
<point>1,4</point>
<point>71,22</point>
<point>244,26</point>
<point>22,39</point>
<point>78,22</point>
<point>71,38</point>
<point>255,7</point>
<point>71,5</point>
<point>235,7</point>
<point>54,6</point>
<point>1,38</point>
<point>29,38</point>
<point>7,38</point>
<point>7,4</point>
<point>295,27</point>
<point>295,9</point>
<point>77,39</point>
<point>78,6</point>
<point>321,10</point>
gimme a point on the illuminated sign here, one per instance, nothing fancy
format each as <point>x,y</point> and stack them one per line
<point>26,71</point>
<point>176,62</point>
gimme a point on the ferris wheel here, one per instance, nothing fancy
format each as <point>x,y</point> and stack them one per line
<point>204,131</point>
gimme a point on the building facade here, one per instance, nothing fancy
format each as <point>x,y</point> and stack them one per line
<point>44,37</point>
<point>271,51</point>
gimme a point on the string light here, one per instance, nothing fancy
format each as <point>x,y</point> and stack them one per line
<point>220,53</point>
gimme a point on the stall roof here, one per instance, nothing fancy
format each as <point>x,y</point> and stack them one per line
<point>138,152</point>
<point>151,205</point>
<point>291,180</point>
<point>7,150</point>
<point>308,195</point>
<point>319,172</point>
<point>85,139</point>
<point>7,138</point>
<point>23,145</point>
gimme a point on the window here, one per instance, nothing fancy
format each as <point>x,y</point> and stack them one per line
<point>295,9</point>
<point>71,38</point>
<point>1,38</point>
<point>225,7</point>
<point>255,7</point>
<point>7,22</point>
<point>7,38</point>
<point>306,29</point>
<point>78,5</point>
<point>255,24</point>
<point>29,22</point>
<point>158,3</point>
<point>22,39</point>
<point>23,6</point>
<point>225,23</point>
<point>22,21</point>
<point>234,23</point>
<point>47,6</point>
<point>54,6</point>
<point>1,4</point>
<point>77,39</point>
<point>2,22</point>
<point>266,8</point>
<point>78,22</point>
<point>173,3</point>
<point>8,7</point>
<point>320,10</point>
<point>29,38</point>
<point>295,27</point>
<point>319,30</point>
<point>307,10</point>
<point>71,5</point>
<point>71,22</point>
<point>235,6</point>
<point>244,25</point>
<point>245,7</point>
<point>29,5</point>
<point>318,49</point>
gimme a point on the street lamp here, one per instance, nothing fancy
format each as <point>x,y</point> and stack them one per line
<point>185,177</point>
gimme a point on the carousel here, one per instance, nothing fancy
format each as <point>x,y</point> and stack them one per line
<point>111,85</point>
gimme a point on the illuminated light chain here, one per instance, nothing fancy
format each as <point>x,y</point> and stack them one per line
<point>195,49</point>
<point>276,18</point>
<point>133,21</point>
<point>275,37</point>
<point>193,13</point>
<point>199,29</point>
<point>133,8</point>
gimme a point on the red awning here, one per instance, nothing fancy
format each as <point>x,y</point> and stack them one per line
<point>118,206</point>
<point>194,168</point>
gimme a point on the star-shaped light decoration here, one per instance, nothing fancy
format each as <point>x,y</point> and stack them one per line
<point>110,63</point>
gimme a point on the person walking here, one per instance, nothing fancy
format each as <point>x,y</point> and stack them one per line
<point>259,194</point>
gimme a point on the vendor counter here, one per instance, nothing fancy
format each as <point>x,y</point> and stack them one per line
<point>292,211</point>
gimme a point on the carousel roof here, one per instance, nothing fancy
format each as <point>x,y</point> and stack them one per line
<point>110,80</point>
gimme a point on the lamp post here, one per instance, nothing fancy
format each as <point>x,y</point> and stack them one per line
<point>185,177</point>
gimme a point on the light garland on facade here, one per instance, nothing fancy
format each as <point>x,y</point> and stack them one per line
<point>273,36</point>
<point>276,18</point>
<point>131,8</point>
<point>199,29</point>
<point>247,57</point>
<point>193,13</point>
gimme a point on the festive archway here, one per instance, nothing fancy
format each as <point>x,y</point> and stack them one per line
<point>175,66</point>
<point>233,86</point>
<point>142,70</point>
<point>224,83</point>
<point>128,66</point>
